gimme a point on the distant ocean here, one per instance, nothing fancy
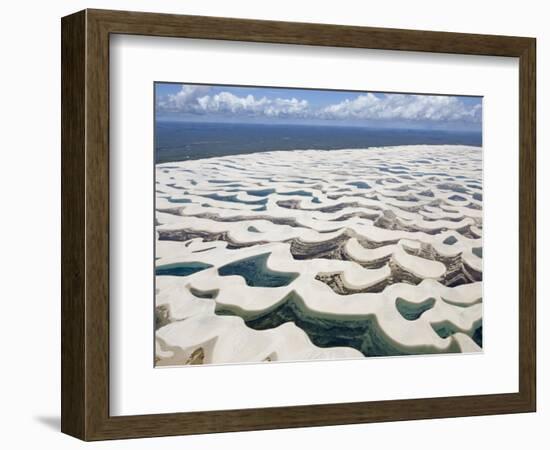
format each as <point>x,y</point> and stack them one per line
<point>180,141</point>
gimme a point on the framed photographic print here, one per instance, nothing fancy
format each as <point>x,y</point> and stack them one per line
<point>270,224</point>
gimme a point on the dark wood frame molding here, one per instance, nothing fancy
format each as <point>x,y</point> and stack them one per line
<point>85,224</point>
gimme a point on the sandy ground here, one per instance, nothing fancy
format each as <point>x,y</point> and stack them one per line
<point>381,247</point>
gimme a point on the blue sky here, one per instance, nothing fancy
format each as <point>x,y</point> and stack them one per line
<point>217,103</point>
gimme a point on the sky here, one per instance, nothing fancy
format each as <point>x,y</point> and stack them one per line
<point>236,104</point>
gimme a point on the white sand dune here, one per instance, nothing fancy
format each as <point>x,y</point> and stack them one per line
<point>313,254</point>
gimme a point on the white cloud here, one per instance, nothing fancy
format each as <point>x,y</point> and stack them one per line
<point>183,100</point>
<point>226,102</point>
<point>194,99</point>
<point>403,107</point>
<point>288,107</point>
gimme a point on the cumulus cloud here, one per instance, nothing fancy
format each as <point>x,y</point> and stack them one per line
<point>196,100</point>
<point>193,99</point>
<point>403,107</point>
<point>183,100</point>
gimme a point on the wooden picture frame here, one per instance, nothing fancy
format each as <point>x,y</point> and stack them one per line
<point>85,224</point>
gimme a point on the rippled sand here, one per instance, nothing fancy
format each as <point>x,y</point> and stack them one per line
<point>310,254</point>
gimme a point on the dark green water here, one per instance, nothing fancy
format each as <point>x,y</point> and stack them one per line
<point>256,273</point>
<point>181,269</point>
